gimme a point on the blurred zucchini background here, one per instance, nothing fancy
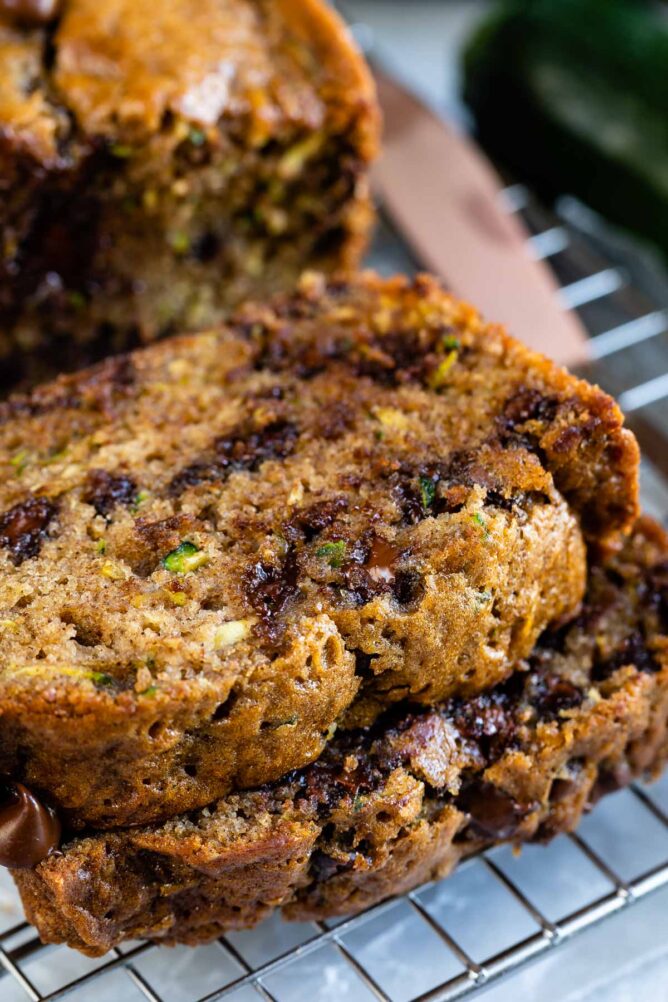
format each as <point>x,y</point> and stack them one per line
<point>572,96</point>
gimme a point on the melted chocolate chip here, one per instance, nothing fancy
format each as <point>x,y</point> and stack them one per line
<point>408,498</point>
<point>31,11</point>
<point>207,247</point>
<point>24,527</point>
<point>359,585</point>
<point>269,588</point>
<point>632,652</point>
<point>550,694</point>
<point>488,720</point>
<point>104,491</point>
<point>371,568</point>
<point>29,830</point>
<point>493,813</point>
<point>442,488</point>
<point>328,780</point>
<point>609,781</point>
<point>244,448</point>
<point>394,358</point>
<point>323,867</point>
<point>527,405</point>
<point>408,588</point>
<point>656,594</point>
<point>310,522</point>
<point>498,500</point>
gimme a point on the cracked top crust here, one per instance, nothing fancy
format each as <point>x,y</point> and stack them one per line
<point>114,72</point>
<point>215,551</point>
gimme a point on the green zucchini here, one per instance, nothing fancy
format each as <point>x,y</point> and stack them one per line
<point>572,95</point>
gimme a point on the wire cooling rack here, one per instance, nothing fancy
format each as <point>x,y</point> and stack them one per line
<point>499,911</point>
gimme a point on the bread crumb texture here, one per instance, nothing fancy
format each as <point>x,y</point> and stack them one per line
<point>217,550</point>
<point>386,808</point>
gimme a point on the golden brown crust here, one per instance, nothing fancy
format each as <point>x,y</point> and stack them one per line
<point>385,809</point>
<point>214,551</point>
<point>349,79</point>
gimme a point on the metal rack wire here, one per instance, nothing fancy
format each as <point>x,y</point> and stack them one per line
<point>549,895</point>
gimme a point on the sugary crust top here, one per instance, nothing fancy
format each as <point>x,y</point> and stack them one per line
<point>121,70</point>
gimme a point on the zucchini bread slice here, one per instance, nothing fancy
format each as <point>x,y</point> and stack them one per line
<point>216,550</point>
<point>161,161</point>
<point>386,808</point>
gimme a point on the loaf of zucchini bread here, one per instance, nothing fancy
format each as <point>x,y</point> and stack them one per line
<point>390,806</point>
<point>217,550</point>
<point>161,161</point>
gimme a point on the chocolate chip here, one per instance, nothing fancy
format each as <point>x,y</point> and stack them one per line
<point>358,584</point>
<point>407,497</point>
<point>488,720</point>
<point>323,866</point>
<point>442,488</point>
<point>498,500</point>
<point>31,12</point>
<point>269,588</point>
<point>632,652</point>
<point>408,588</point>
<point>561,789</point>
<point>29,830</point>
<point>657,592</point>
<point>311,521</point>
<point>550,694</point>
<point>527,405</point>
<point>24,527</point>
<point>104,491</point>
<point>494,814</point>
<point>206,248</point>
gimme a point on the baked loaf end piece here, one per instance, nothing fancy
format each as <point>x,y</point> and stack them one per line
<point>214,551</point>
<point>388,808</point>
<point>143,196</point>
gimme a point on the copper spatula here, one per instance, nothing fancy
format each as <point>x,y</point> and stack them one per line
<point>444,196</point>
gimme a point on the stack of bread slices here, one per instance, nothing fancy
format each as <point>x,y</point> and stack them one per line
<point>300,610</point>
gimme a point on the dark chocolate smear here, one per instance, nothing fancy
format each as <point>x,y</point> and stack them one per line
<point>29,830</point>
<point>244,449</point>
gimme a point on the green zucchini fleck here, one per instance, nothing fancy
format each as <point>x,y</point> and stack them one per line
<point>101,678</point>
<point>427,491</point>
<point>121,151</point>
<point>197,137</point>
<point>185,558</point>
<point>480,521</point>
<point>334,553</point>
